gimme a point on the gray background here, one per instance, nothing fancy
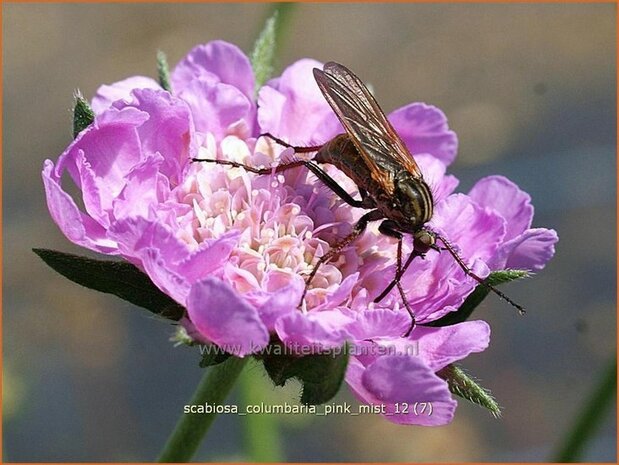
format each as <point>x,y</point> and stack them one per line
<point>530,89</point>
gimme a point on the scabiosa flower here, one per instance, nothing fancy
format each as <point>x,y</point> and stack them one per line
<point>233,247</point>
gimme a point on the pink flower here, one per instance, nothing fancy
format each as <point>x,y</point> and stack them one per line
<point>233,247</point>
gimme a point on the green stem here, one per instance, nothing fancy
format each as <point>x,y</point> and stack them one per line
<point>261,433</point>
<point>191,427</point>
<point>590,417</point>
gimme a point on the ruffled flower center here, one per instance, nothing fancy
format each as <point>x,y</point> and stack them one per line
<point>287,220</point>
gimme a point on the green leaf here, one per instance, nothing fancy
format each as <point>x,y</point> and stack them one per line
<point>83,116</point>
<point>280,368</point>
<point>463,385</point>
<point>264,52</point>
<point>321,374</point>
<point>120,278</point>
<point>477,296</point>
<point>212,355</point>
<point>163,71</point>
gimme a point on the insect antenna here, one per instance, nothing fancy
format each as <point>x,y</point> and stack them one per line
<point>470,273</point>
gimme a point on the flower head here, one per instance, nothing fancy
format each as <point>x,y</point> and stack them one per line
<point>234,247</point>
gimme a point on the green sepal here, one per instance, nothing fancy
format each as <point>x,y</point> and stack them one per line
<point>119,278</point>
<point>463,385</point>
<point>278,364</point>
<point>321,375</point>
<point>264,52</point>
<point>163,71</point>
<point>83,116</point>
<point>477,296</point>
<point>182,338</point>
<point>213,357</point>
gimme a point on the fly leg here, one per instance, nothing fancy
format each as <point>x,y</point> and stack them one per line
<point>388,228</point>
<point>278,169</point>
<point>321,174</point>
<point>365,202</point>
<point>332,184</point>
<point>415,253</point>
<point>283,143</point>
<point>358,229</point>
<point>399,275</point>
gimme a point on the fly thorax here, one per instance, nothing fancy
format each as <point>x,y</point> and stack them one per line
<point>414,200</point>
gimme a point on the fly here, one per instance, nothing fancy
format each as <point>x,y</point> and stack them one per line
<point>390,183</point>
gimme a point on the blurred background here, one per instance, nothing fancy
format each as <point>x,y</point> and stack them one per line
<point>530,90</point>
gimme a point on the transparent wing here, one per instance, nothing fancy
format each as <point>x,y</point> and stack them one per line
<point>365,122</point>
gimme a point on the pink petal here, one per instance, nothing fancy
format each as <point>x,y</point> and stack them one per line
<point>224,318</point>
<point>281,302</point>
<point>108,94</point>
<point>136,234</point>
<point>340,294</point>
<point>293,108</point>
<point>217,60</point>
<point>531,250</point>
<point>76,226</point>
<point>168,130</point>
<point>95,194</point>
<point>424,129</point>
<point>209,258</point>
<point>409,391</point>
<point>110,148</point>
<point>218,108</point>
<point>507,199</point>
<point>140,192</point>
<point>434,174</point>
<point>154,264</point>
<point>373,323</point>
<point>475,231</point>
<point>438,347</point>
<point>320,330</point>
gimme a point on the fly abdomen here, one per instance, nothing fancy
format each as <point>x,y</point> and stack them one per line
<point>342,153</point>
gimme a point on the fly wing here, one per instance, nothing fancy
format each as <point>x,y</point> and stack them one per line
<point>365,122</point>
